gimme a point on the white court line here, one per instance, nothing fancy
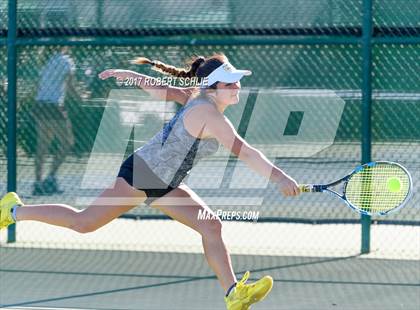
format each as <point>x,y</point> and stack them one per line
<point>46,308</point>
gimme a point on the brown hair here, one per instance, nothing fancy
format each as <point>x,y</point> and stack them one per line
<point>199,66</point>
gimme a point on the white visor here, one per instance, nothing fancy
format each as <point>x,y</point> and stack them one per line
<point>226,73</point>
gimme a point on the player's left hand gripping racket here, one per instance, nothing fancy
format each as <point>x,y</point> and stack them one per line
<point>375,188</point>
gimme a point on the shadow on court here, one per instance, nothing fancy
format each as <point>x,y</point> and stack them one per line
<point>88,279</point>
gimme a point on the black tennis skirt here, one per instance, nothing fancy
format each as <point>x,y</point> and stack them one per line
<point>137,173</point>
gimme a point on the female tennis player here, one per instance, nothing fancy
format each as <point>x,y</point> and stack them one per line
<point>154,172</point>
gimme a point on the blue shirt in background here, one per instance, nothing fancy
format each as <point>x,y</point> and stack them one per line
<point>53,77</point>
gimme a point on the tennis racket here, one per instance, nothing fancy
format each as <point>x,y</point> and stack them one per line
<point>375,188</point>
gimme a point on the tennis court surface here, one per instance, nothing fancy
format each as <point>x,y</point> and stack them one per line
<point>83,279</point>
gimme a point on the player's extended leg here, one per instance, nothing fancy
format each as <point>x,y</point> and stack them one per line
<point>184,205</point>
<point>113,202</point>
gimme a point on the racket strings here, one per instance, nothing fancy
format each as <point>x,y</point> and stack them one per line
<point>377,189</point>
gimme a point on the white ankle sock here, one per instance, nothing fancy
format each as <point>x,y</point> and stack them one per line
<point>14,212</point>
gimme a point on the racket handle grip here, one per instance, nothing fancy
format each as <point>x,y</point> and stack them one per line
<point>305,188</point>
<point>310,188</point>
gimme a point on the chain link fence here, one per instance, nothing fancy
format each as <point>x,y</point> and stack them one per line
<point>318,74</point>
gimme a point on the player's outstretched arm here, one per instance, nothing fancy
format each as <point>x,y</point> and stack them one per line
<point>222,129</point>
<point>151,85</point>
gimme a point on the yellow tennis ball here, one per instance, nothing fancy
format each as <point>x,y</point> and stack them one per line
<point>393,184</point>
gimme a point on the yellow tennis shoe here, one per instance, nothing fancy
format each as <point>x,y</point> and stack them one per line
<point>243,295</point>
<point>6,205</point>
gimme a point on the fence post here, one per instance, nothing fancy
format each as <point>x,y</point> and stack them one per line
<point>366,107</point>
<point>11,108</point>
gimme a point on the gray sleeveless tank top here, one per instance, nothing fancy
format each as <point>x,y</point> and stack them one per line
<point>173,151</point>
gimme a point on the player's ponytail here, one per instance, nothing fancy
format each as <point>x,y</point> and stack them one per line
<point>172,70</point>
<point>199,66</point>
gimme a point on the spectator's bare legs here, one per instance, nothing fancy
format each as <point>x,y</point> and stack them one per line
<point>44,138</point>
<point>64,134</point>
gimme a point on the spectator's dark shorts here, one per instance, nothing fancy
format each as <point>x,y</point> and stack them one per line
<point>49,111</point>
<point>137,173</point>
